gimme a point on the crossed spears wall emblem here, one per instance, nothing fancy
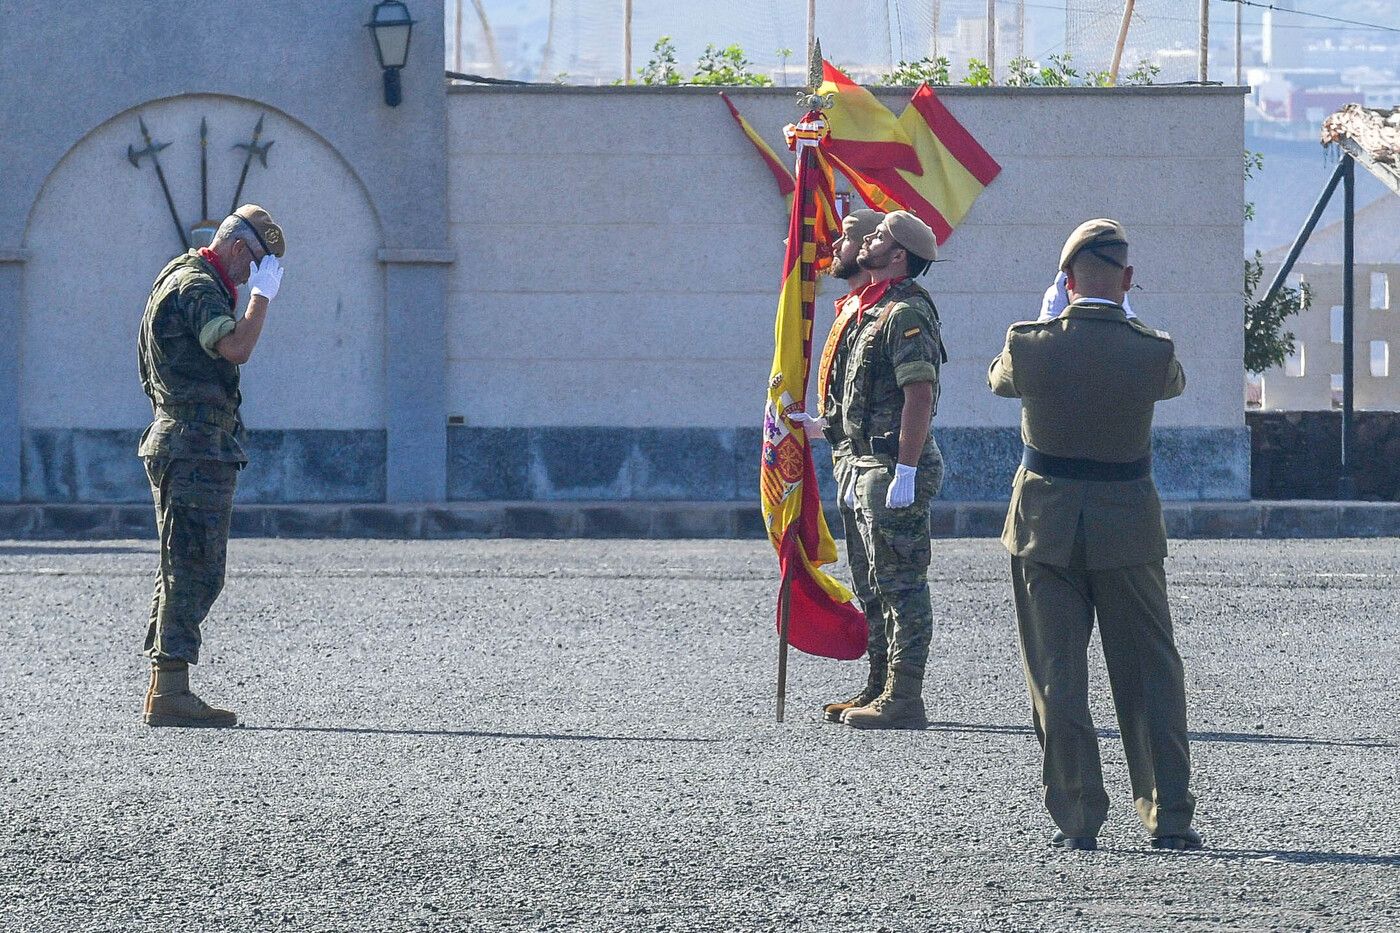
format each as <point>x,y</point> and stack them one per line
<point>202,233</point>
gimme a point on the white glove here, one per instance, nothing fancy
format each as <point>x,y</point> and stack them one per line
<point>810,422</point>
<point>1057,299</point>
<point>851,497</point>
<point>266,277</point>
<point>901,494</point>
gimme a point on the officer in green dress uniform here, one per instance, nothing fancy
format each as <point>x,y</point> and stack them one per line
<point>1087,541</point>
<point>889,396</point>
<point>190,347</point>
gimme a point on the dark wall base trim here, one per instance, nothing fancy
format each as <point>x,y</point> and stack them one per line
<point>590,464</point>
<point>90,465</point>
<point>661,520</point>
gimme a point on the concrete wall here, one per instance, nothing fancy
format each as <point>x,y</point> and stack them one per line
<point>540,293</point>
<point>346,385</point>
<point>618,253</point>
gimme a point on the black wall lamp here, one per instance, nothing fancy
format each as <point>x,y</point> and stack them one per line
<point>392,28</point>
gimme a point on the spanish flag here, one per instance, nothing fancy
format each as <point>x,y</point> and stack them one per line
<point>823,620</point>
<point>924,161</point>
<point>781,175</point>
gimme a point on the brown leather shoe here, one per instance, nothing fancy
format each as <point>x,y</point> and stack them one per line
<point>874,685</point>
<point>169,701</point>
<point>900,706</point>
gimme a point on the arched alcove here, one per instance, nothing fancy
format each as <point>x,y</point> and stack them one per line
<point>101,230</point>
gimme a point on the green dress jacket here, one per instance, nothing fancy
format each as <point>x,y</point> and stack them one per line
<point>1088,381</point>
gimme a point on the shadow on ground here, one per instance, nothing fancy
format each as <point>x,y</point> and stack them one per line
<point>1248,737</point>
<point>473,734</point>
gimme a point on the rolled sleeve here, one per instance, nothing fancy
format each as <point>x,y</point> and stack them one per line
<point>217,329</point>
<point>912,341</point>
<point>207,313</point>
<point>915,371</point>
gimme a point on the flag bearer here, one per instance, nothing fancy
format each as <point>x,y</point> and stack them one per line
<point>1087,541</point>
<point>855,227</point>
<point>190,347</point>
<point>889,395</point>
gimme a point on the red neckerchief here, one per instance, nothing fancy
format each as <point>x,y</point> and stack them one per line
<point>872,294</point>
<point>209,256</point>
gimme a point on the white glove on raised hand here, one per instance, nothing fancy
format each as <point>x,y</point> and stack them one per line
<point>265,278</point>
<point>1057,299</point>
<point>901,494</point>
<point>810,422</point>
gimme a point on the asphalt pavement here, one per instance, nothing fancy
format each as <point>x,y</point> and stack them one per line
<point>580,735</point>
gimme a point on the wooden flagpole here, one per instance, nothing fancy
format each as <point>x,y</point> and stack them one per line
<point>804,202</point>
<point>1122,40</point>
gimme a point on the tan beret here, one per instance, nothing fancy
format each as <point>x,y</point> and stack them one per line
<point>1099,232</point>
<point>860,223</point>
<point>268,233</point>
<point>913,234</point>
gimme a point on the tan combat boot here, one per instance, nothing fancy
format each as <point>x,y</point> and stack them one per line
<point>169,701</point>
<point>874,683</point>
<point>901,706</point>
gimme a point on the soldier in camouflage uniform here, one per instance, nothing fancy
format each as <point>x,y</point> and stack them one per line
<point>855,227</point>
<point>190,348</point>
<point>890,394</point>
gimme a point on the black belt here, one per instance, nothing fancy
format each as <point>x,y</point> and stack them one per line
<point>1079,468</point>
<point>882,445</point>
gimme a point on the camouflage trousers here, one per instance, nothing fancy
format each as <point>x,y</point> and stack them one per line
<point>877,645</point>
<point>194,505</point>
<point>898,549</point>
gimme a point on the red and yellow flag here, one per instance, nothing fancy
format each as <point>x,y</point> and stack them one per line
<point>781,175</point>
<point>924,161</point>
<point>823,620</point>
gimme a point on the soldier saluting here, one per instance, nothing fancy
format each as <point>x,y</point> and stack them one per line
<point>190,347</point>
<point>1087,541</point>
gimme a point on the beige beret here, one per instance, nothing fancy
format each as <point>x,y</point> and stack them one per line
<point>1099,232</point>
<point>860,223</point>
<point>913,234</point>
<point>268,233</point>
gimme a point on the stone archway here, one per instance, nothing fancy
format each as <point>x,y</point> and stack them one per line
<point>97,235</point>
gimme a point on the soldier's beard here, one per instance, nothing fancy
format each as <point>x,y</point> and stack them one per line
<point>872,261</point>
<point>841,269</point>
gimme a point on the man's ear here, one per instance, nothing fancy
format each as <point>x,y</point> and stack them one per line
<point>1069,282</point>
<point>1127,278</point>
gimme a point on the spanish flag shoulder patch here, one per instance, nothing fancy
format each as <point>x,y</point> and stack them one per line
<point>911,332</point>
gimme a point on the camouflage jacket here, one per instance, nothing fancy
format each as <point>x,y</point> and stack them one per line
<point>898,342</point>
<point>193,390</point>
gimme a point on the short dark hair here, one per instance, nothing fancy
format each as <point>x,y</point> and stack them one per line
<point>917,265</point>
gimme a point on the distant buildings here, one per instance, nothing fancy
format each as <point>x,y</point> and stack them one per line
<point>1311,379</point>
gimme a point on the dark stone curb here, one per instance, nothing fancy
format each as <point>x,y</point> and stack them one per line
<point>661,520</point>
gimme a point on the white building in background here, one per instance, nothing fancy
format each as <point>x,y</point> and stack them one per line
<point>1311,379</point>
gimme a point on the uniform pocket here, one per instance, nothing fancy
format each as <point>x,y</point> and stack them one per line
<point>202,484</point>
